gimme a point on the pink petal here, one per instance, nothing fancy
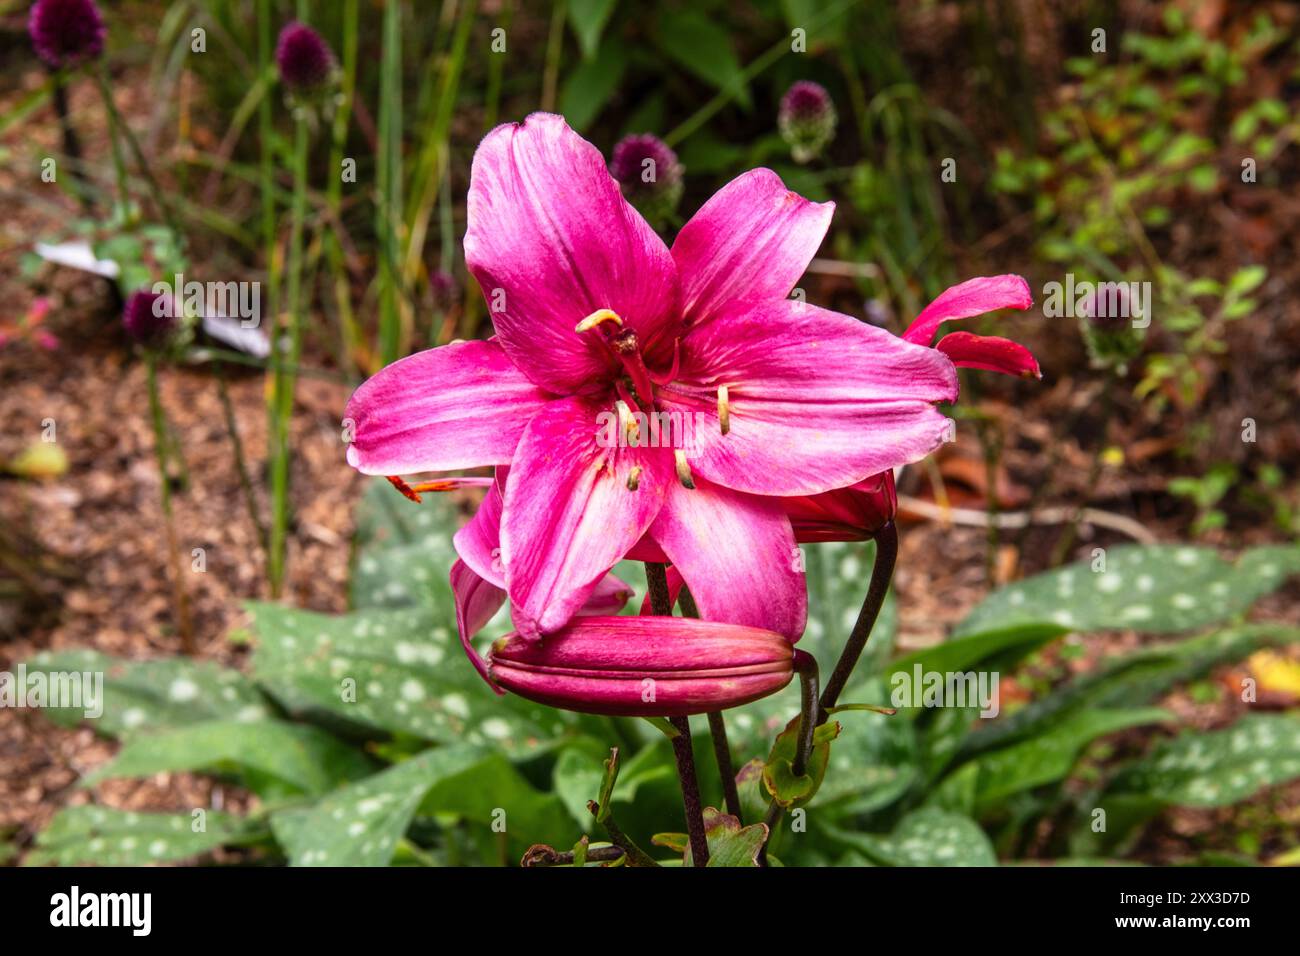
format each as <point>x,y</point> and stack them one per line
<point>479,541</point>
<point>817,400</point>
<point>609,597</point>
<point>968,350</point>
<point>972,297</point>
<point>737,554</point>
<point>569,514</point>
<point>551,240</point>
<point>458,406</point>
<point>477,601</point>
<point>855,513</point>
<point>751,241</point>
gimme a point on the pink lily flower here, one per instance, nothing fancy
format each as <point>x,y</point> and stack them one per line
<point>644,666</point>
<point>594,314</point>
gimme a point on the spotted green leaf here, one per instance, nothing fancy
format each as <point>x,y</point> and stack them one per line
<point>302,758</point>
<point>730,844</point>
<point>927,837</point>
<point>1200,769</point>
<point>150,695</point>
<point>361,824</point>
<point>398,670</point>
<point>102,836</point>
<point>1153,588</point>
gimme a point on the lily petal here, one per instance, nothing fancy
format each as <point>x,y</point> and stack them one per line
<point>737,554</point>
<point>551,240</point>
<point>990,352</point>
<point>815,400</point>
<point>479,541</point>
<point>477,601</point>
<point>569,513</point>
<point>751,241</point>
<point>972,297</point>
<point>855,513</point>
<point>459,406</point>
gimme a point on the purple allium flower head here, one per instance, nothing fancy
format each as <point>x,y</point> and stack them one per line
<point>648,174</point>
<point>303,57</point>
<point>442,286</point>
<point>148,318</point>
<point>66,32</point>
<point>806,119</point>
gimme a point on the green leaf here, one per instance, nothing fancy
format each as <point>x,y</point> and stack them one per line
<point>1199,769</point>
<point>588,19</point>
<point>730,844</point>
<point>1134,679</point>
<point>590,85</point>
<point>927,837</point>
<point>102,836</point>
<point>306,759</point>
<point>704,49</point>
<point>1152,588</point>
<point>874,760</point>
<point>778,774</point>
<point>404,551</point>
<point>1050,756</point>
<point>360,825</point>
<point>153,695</point>
<point>395,670</point>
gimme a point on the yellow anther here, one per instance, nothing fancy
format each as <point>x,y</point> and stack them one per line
<point>634,478</point>
<point>597,317</point>
<point>724,409</point>
<point>683,469</point>
<point>627,422</point>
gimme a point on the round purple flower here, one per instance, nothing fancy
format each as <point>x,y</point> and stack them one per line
<point>649,175</point>
<point>806,119</point>
<point>148,317</point>
<point>303,57</point>
<point>66,32</point>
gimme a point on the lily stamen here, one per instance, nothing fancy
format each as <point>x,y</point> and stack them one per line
<point>596,318</point>
<point>683,469</point>
<point>724,409</point>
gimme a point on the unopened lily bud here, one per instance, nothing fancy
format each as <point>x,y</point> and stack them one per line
<point>855,513</point>
<point>644,666</point>
<point>304,59</point>
<point>806,119</point>
<point>148,318</point>
<point>649,175</point>
<point>66,32</point>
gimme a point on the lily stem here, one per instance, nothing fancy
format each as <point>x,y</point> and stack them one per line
<point>805,666</point>
<point>881,573</point>
<point>661,603</point>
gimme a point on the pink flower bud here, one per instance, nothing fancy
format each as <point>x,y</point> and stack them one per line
<point>644,666</point>
<point>855,513</point>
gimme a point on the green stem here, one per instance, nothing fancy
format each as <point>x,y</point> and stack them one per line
<point>237,448</point>
<point>881,573</point>
<point>717,729</point>
<point>180,599</point>
<point>285,379</point>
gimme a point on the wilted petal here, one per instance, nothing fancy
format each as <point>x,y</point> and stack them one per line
<point>551,240</point>
<point>816,400</point>
<point>644,666</point>
<point>609,597</point>
<point>968,350</point>
<point>855,513</point>
<point>751,241</point>
<point>458,406</point>
<point>569,513</point>
<point>737,554</point>
<point>972,297</point>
